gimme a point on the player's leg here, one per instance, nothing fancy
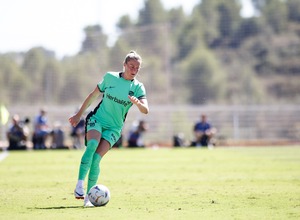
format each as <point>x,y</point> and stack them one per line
<point>109,138</point>
<point>93,137</point>
<point>94,173</point>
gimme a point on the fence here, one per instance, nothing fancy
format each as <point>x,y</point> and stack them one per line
<point>235,124</point>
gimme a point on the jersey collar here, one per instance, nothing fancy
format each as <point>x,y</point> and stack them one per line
<point>120,75</point>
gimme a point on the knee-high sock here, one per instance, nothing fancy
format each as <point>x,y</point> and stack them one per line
<point>94,171</point>
<point>87,158</point>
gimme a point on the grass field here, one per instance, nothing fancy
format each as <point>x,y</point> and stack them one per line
<point>223,183</point>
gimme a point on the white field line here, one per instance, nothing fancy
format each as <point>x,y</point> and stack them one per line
<point>3,155</point>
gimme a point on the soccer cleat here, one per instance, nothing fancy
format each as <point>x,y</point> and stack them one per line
<point>87,202</point>
<point>79,192</point>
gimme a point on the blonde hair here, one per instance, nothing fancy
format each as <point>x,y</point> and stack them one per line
<point>132,55</point>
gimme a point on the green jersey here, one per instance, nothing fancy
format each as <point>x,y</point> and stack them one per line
<point>115,104</point>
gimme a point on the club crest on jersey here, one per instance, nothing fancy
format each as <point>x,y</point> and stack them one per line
<point>92,123</point>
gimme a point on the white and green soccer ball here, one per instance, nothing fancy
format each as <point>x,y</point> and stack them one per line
<point>99,195</point>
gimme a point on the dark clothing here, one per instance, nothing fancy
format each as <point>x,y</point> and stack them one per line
<point>202,126</point>
<point>16,138</point>
<point>78,134</point>
<point>204,141</point>
<point>40,132</point>
<point>133,139</point>
<point>178,141</point>
<point>58,139</point>
<point>78,129</point>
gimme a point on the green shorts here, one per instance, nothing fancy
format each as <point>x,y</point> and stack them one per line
<point>110,134</point>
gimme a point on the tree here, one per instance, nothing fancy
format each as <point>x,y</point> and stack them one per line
<point>208,11</point>
<point>294,10</point>
<point>95,40</point>
<point>117,54</point>
<point>211,55</point>
<point>276,15</point>
<point>152,21</point>
<point>79,78</point>
<point>14,85</point>
<point>258,5</point>
<point>125,22</point>
<point>34,62</point>
<point>204,77</point>
<point>229,18</point>
<point>176,19</point>
<point>152,13</point>
<point>249,27</point>
<point>176,22</point>
<point>52,81</point>
<point>33,66</point>
<point>191,37</point>
<point>221,20</point>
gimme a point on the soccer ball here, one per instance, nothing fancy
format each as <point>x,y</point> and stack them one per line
<point>99,195</point>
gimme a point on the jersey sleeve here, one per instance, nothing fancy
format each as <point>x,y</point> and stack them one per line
<point>141,92</point>
<point>102,83</point>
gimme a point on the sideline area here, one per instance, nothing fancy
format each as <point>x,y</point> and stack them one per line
<point>3,155</point>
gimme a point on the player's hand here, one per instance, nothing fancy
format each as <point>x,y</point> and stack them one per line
<point>74,120</point>
<point>141,104</point>
<point>134,100</point>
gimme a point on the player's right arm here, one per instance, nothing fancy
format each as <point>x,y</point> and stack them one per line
<point>142,104</point>
<point>74,120</point>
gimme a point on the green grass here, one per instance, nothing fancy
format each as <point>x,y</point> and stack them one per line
<point>223,183</point>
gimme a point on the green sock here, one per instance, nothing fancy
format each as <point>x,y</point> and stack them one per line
<point>87,158</point>
<point>94,171</point>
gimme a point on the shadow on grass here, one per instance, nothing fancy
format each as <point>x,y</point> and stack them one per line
<point>58,207</point>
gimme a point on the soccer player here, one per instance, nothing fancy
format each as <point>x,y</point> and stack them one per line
<point>103,128</point>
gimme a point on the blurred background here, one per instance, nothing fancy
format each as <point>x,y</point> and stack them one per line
<point>243,71</point>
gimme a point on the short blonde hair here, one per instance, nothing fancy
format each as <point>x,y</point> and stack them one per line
<point>132,55</point>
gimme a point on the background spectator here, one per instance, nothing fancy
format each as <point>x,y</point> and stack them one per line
<point>203,132</point>
<point>41,130</point>
<point>178,140</point>
<point>135,138</point>
<point>17,134</point>
<point>78,133</point>
<point>58,137</point>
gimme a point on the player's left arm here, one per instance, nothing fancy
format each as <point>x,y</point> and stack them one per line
<point>142,104</point>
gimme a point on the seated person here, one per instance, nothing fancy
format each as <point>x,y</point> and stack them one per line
<point>203,132</point>
<point>178,140</point>
<point>78,134</point>
<point>41,131</point>
<point>17,135</point>
<point>135,138</point>
<point>58,137</point>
